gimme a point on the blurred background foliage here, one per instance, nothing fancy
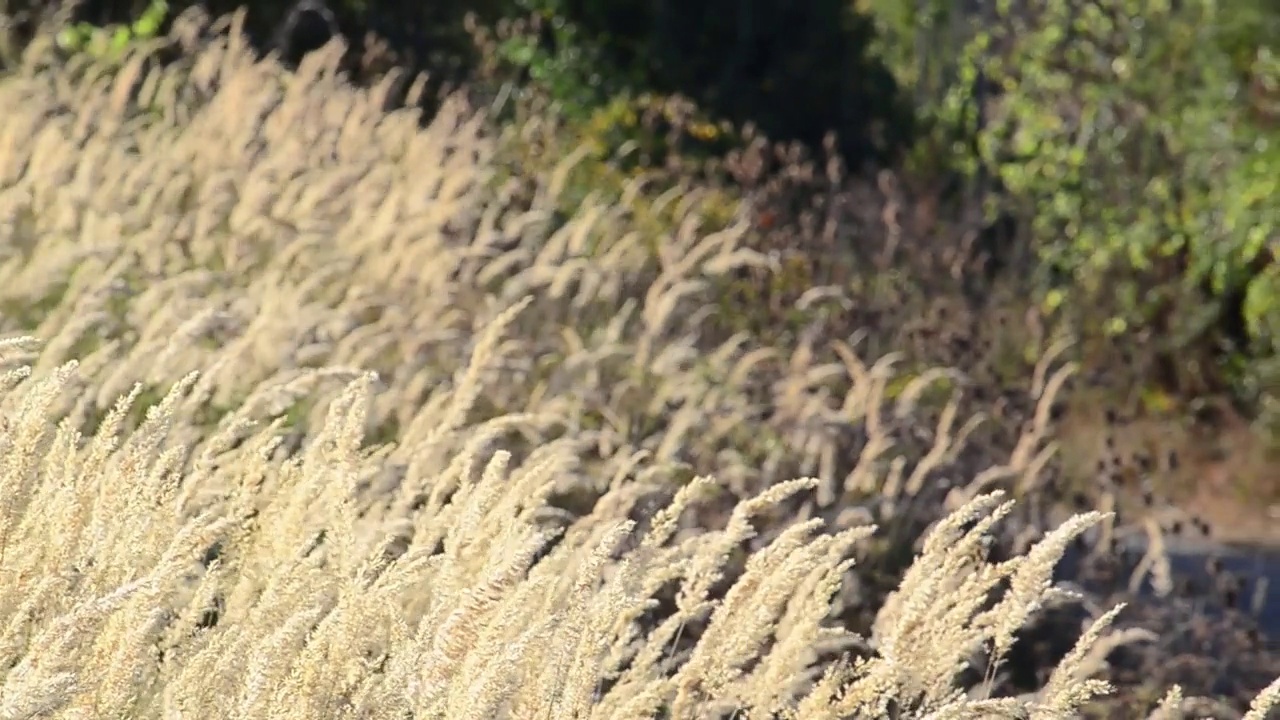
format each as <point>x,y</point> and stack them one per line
<point>1129,149</point>
<point>1136,143</point>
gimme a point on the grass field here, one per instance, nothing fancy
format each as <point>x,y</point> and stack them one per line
<point>310,411</point>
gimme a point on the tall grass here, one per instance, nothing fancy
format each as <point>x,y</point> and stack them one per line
<point>307,415</point>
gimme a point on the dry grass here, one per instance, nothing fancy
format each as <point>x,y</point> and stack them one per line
<point>322,421</point>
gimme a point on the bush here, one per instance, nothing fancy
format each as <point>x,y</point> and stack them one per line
<point>1123,134</point>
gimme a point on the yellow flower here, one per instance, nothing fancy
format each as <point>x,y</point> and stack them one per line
<point>704,131</point>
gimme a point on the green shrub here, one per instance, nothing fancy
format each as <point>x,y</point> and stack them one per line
<point>111,41</point>
<point>1122,132</point>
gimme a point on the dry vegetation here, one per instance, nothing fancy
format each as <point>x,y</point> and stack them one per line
<point>306,414</point>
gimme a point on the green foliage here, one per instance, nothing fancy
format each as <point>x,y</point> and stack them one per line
<point>1121,127</point>
<point>111,41</point>
<point>933,52</point>
<point>1247,27</point>
<point>1124,133</point>
<point>557,58</point>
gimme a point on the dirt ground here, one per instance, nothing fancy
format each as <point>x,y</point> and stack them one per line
<point>1223,474</point>
<point>1166,468</point>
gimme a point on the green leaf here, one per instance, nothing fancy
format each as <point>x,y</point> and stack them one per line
<point>120,38</point>
<point>147,27</point>
<point>70,39</point>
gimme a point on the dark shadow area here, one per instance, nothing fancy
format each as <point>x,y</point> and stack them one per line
<point>795,71</point>
<point>423,36</point>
